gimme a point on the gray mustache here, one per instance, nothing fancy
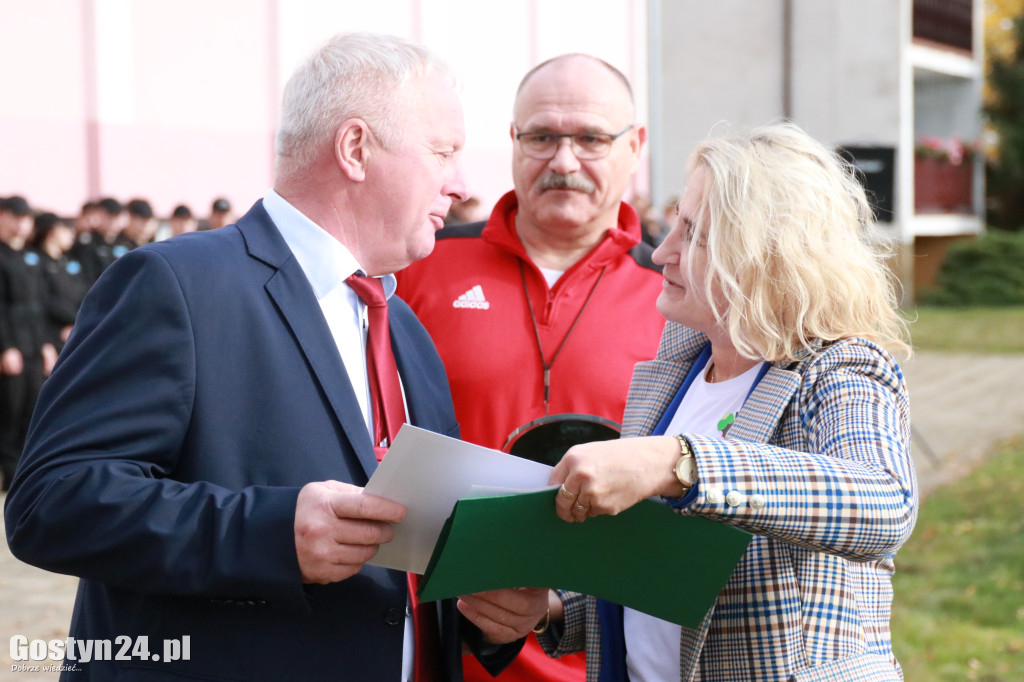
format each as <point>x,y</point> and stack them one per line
<point>568,181</point>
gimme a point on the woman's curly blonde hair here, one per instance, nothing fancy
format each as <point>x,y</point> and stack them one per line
<point>792,245</point>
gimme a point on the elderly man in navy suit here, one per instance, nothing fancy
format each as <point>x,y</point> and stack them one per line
<point>198,454</point>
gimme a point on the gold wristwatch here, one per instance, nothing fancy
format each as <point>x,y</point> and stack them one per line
<point>686,467</point>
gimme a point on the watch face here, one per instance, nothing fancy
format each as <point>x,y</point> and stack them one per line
<point>686,471</point>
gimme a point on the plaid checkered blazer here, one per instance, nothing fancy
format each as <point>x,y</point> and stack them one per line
<point>818,461</point>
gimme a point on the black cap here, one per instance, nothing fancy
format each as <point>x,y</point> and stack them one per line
<point>140,208</point>
<point>181,211</point>
<point>221,205</point>
<point>44,222</point>
<point>17,206</point>
<point>111,206</point>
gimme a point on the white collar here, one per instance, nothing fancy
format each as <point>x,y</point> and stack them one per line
<point>324,259</point>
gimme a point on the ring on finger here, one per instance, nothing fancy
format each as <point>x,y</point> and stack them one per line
<point>579,507</point>
<point>564,492</point>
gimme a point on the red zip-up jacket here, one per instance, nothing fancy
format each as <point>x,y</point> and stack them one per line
<point>469,294</point>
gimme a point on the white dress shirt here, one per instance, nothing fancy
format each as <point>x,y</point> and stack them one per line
<point>327,264</point>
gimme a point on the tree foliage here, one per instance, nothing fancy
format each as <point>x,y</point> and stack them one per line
<point>1005,112</point>
<point>986,271</point>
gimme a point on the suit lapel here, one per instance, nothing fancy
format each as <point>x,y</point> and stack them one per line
<point>413,373</point>
<point>293,296</point>
<point>656,382</point>
<point>762,411</point>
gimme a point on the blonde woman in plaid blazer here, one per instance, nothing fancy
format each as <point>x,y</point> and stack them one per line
<point>770,266</point>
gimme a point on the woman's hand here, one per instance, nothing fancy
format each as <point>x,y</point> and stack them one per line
<point>609,476</point>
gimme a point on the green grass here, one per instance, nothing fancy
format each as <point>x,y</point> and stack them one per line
<point>959,583</point>
<point>967,330</point>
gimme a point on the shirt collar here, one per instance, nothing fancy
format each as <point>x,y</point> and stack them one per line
<point>324,259</point>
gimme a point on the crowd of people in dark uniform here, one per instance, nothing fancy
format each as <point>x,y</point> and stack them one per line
<point>47,264</point>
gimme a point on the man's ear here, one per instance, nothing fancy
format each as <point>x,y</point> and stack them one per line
<point>352,148</point>
<point>639,140</point>
<point>636,144</point>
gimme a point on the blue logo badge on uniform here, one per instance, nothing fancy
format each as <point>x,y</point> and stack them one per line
<point>73,267</point>
<point>31,258</point>
<point>120,250</point>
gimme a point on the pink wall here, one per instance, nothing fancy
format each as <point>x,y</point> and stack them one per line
<point>169,166</point>
<point>203,124</point>
<point>188,115</point>
<point>177,101</point>
<point>42,140</point>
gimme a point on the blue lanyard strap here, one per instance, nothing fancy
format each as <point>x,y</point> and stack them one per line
<point>695,369</point>
<point>670,411</point>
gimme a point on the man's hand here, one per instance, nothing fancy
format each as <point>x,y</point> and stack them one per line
<point>11,362</point>
<point>338,528</point>
<point>49,358</point>
<point>504,616</point>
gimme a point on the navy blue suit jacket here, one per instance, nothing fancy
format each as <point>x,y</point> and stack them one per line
<point>200,390</point>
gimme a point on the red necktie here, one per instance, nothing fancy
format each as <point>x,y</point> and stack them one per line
<point>388,416</point>
<point>381,371</point>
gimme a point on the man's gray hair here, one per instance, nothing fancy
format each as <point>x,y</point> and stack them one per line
<point>353,75</point>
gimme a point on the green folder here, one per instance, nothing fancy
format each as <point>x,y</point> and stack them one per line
<point>647,558</point>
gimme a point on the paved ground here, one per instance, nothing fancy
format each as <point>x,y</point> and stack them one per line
<point>961,407</point>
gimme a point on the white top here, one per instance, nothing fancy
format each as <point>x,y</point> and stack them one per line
<point>652,644</point>
<point>327,264</point>
<point>551,276</point>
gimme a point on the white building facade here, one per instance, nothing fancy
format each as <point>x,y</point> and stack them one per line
<point>875,77</point>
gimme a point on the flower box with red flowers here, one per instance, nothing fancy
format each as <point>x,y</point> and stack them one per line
<point>943,175</point>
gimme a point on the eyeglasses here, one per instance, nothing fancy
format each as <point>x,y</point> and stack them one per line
<point>586,146</point>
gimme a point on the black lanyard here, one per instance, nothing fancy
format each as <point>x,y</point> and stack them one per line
<point>540,348</point>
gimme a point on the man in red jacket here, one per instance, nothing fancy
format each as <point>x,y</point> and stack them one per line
<point>545,308</point>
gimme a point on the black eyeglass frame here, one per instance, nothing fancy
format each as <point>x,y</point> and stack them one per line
<point>573,143</point>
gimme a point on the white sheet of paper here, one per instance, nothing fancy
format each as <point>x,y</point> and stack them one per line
<point>428,473</point>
